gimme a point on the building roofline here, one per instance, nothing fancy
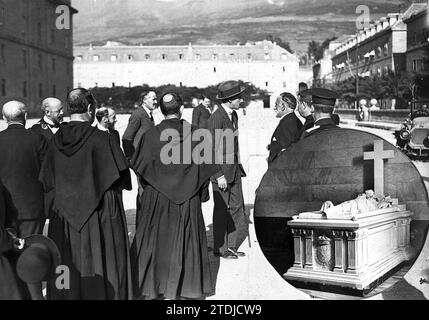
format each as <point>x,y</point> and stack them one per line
<point>66,3</point>
<point>416,15</point>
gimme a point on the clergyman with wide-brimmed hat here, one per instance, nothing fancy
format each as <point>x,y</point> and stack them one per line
<point>228,210</point>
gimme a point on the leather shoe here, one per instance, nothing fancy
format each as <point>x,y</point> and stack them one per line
<point>226,255</point>
<point>237,253</point>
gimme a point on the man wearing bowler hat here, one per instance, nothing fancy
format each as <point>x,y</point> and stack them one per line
<point>323,102</point>
<point>228,212</point>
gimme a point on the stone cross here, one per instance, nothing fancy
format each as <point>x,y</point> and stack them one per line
<point>378,155</point>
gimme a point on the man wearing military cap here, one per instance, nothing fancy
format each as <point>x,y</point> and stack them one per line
<point>323,102</point>
<point>228,211</point>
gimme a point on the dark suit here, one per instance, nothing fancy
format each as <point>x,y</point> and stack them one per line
<point>22,153</point>
<point>138,124</point>
<point>228,212</point>
<point>336,118</point>
<point>287,132</point>
<point>200,116</point>
<point>43,128</point>
<point>320,125</point>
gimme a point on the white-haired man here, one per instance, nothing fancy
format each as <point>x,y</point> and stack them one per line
<point>53,114</point>
<point>22,155</point>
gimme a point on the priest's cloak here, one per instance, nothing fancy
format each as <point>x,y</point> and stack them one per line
<point>87,171</point>
<point>169,252</point>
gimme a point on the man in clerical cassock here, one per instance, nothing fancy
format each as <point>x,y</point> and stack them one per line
<point>87,172</point>
<point>169,251</point>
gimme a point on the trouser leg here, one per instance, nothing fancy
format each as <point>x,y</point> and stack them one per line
<point>228,212</point>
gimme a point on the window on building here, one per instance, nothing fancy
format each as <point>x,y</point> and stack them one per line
<point>266,84</point>
<point>24,58</point>
<point>79,58</point>
<point>181,84</point>
<point>54,65</point>
<point>130,57</point>
<point>284,56</point>
<point>379,72</point>
<point>95,58</point>
<point>2,53</point>
<point>214,56</point>
<point>147,56</point>
<point>54,90</point>
<point>40,61</point>
<point>386,49</point>
<point>113,58</point>
<point>163,56</point>
<point>249,56</point>
<point>39,32</point>
<point>214,69</point>
<point>284,69</point>
<point>180,56</point>
<point>2,15</point>
<point>52,38</point>
<point>113,84</point>
<point>3,87</point>
<point>379,52</point>
<point>24,89</point>
<point>40,90</point>
<point>414,65</point>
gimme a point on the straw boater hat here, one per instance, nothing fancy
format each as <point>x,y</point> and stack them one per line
<point>38,260</point>
<point>229,89</point>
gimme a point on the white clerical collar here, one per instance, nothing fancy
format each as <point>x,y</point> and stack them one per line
<point>48,121</point>
<point>324,117</point>
<point>148,111</point>
<point>100,127</point>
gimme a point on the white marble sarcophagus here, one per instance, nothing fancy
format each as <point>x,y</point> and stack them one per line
<point>348,247</point>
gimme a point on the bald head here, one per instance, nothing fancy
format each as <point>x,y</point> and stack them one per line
<point>14,111</point>
<point>53,109</point>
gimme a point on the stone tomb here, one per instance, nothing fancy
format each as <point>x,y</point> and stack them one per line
<point>337,165</point>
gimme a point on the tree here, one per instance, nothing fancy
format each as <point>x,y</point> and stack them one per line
<point>283,44</point>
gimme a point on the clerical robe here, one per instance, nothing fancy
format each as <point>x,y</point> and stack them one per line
<point>11,287</point>
<point>87,171</point>
<point>169,252</point>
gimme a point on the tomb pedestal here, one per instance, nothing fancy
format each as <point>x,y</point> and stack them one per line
<point>349,253</point>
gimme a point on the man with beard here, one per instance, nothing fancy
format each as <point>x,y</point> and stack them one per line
<point>87,171</point>
<point>169,252</point>
<point>53,114</point>
<point>106,120</point>
<point>289,128</point>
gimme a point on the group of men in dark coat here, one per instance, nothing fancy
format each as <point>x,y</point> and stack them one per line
<point>315,106</point>
<point>74,173</point>
<point>78,172</point>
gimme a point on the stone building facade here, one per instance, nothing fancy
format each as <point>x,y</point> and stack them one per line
<point>417,55</point>
<point>373,51</point>
<point>36,57</point>
<point>264,64</point>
